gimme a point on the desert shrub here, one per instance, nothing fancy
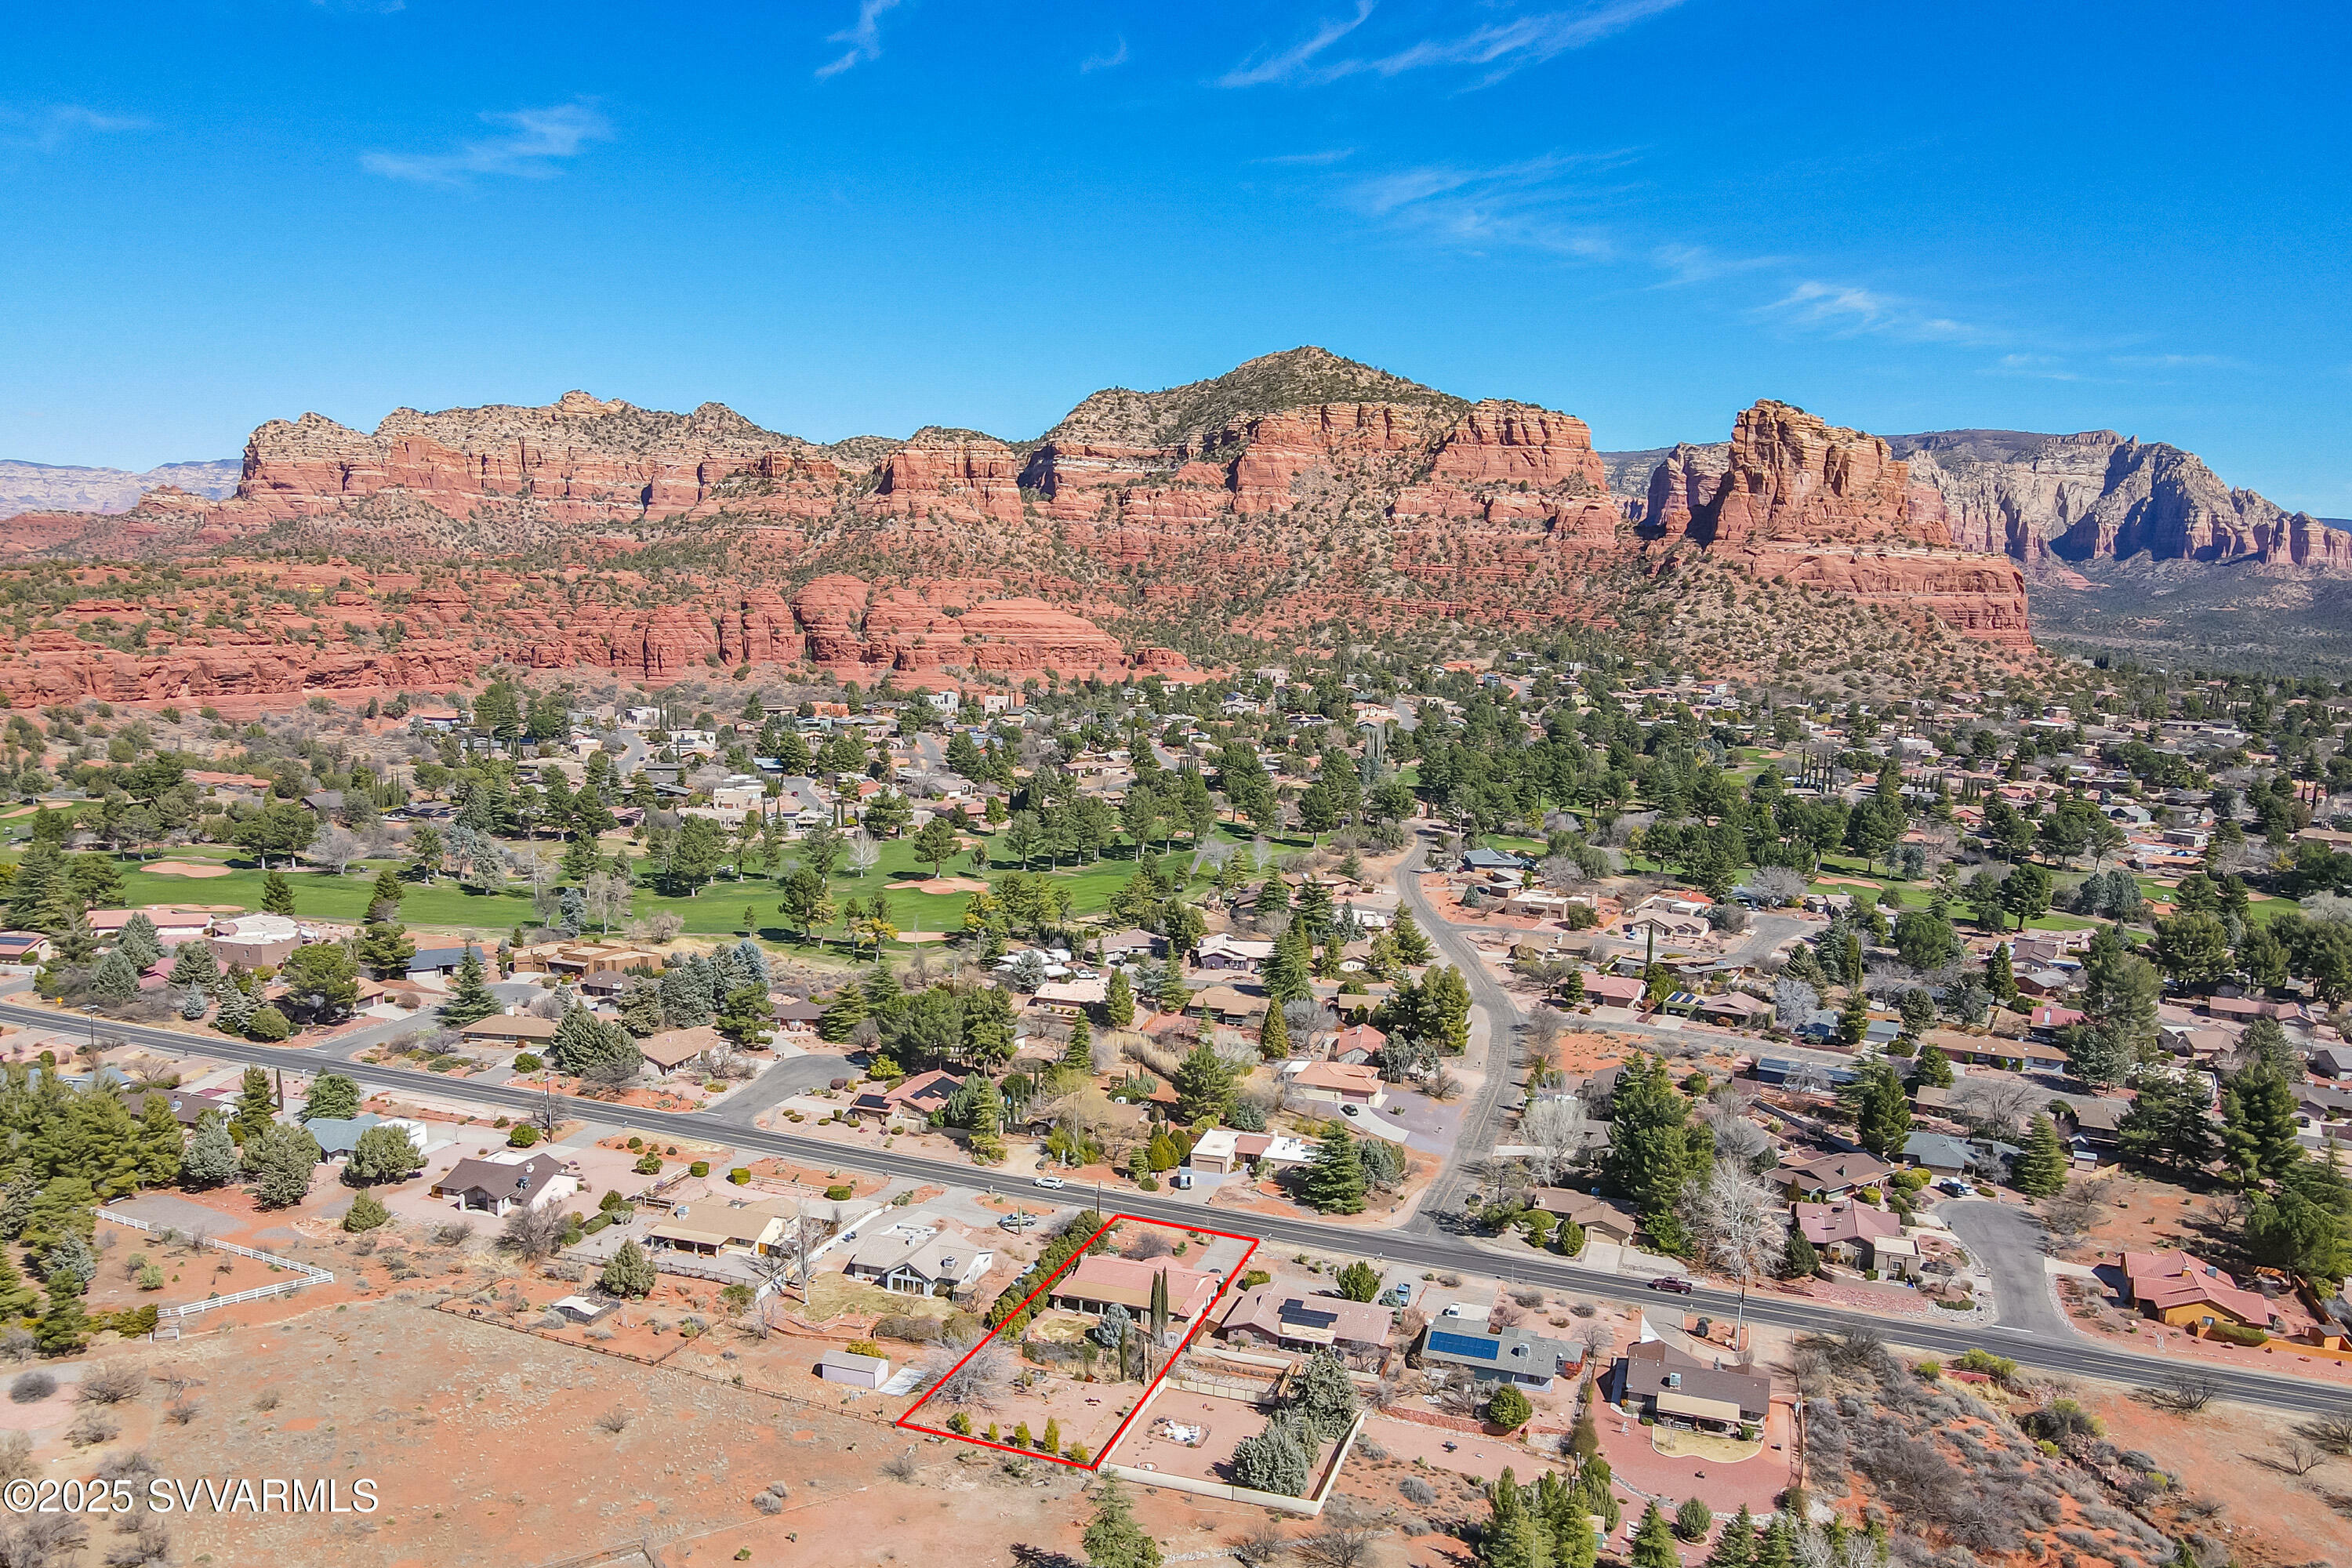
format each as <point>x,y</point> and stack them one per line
<point>92,1426</point>
<point>111,1384</point>
<point>32,1387</point>
<point>840,1192</point>
<point>1418,1492</point>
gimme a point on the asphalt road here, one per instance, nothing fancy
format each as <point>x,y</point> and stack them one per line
<point>1482,1118</point>
<point>2070,1353</point>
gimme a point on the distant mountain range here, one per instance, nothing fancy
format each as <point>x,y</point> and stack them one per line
<point>57,487</point>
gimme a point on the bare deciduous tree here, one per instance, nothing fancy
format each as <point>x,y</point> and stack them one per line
<point>977,1381</point>
<point>532,1232</point>
<point>1736,1226</point>
<point>1558,1129</point>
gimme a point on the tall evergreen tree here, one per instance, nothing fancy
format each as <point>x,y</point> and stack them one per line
<point>2258,1129</point>
<point>1335,1178</point>
<point>2041,1169</point>
<point>470,1000</point>
<point>276,894</point>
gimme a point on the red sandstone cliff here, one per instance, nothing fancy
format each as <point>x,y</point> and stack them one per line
<point>1300,483</point>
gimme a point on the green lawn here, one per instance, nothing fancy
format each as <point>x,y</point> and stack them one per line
<point>717,910</point>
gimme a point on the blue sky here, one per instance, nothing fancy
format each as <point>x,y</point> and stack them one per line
<point>852,215</point>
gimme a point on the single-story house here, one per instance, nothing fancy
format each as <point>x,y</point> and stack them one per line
<point>1221,1151</point>
<point>798,1016</point>
<point>2332,1061</point>
<point>1132,943</point>
<point>511,1029</point>
<point>1855,1233</point>
<point>920,1260</point>
<point>1613,990</point>
<point>1935,1151</point>
<point>858,1371</point>
<point>925,1092</point>
<point>1346,1044</point>
<point>1283,1317</point>
<point>337,1136</point>
<point>1232,954</point>
<point>673,1048</point>
<point>1993,1050</point>
<point>1101,1281</point>
<point>1830,1176</point>
<point>580,1308</point>
<point>1513,1355</point>
<point>24,947</point>
<point>499,1185</point>
<point>1734,1009</point>
<point>1069,998</point>
<point>442,960</point>
<point>1493,860</point>
<point>757,1226</point>
<point>2177,1288</point>
<point>187,1108</point>
<point>1226,1006</point>
<point>1334,1083</point>
<point>2049,1017</point>
<point>1605,1217</point>
<point>1667,1385</point>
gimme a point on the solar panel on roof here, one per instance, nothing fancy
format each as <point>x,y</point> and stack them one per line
<point>1463,1344</point>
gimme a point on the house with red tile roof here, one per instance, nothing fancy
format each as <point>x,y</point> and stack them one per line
<point>2183,1291</point>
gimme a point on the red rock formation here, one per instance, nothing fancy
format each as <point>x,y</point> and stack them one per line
<point>1299,478</point>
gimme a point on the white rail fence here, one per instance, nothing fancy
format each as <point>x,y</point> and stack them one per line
<point>170,1318</point>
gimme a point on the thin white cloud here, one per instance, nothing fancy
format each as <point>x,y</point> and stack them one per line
<point>1117,56</point>
<point>2035,367</point>
<point>531,148</point>
<point>1688,264</point>
<point>52,126</point>
<point>1259,70</point>
<point>864,37</point>
<point>1500,47</point>
<point>1532,205</point>
<point>1844,309</point>
<point>2178,362</point>
<point>1327,156</point>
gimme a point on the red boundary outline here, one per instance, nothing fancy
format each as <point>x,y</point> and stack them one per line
<point>909,1423</point>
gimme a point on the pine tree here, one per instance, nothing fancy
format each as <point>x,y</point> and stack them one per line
<point>1274,1035</point>
<point>257,1108</point>
<point>1119,1007</point>
<point>1080,1052</point>
<point>2258,1129</point>
<point>470,1000</point>
<point>211,1158</point>
<point>192,964</point>
<point>386,894</point>
<point>1853,1021</point>
<point>1287,971</point>
<point>1998,978</point>
<point>138,941</point>
<point>1204,1084</point>
<point>1654,1542</point>
<point>843,1014</point>
<point>1335,1181</point>
<point>1410,944</point>
<point>2041,1169</point>
<point>64,1328</point>
<point>1113,1539</point>
<point>276,894</point>
<point>1735,1548</point>
<point>160,1142</point>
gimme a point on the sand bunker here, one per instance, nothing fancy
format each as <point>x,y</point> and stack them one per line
<point>184,869</point>
<point>941,885</point>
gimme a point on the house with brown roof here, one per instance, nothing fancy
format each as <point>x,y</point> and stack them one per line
<point>1101,1281</point>
<point>1605,1217</point>
<point>2183,1291</point>
<point>509,1029</point>
<point>673,1048</point>
<point>1283,1317</point>
<point>498,1186</point>
<point>1677,1389</point>
<point>1338,1084</point>
<point>1829,1177</point>
<point>1856,1233</point>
